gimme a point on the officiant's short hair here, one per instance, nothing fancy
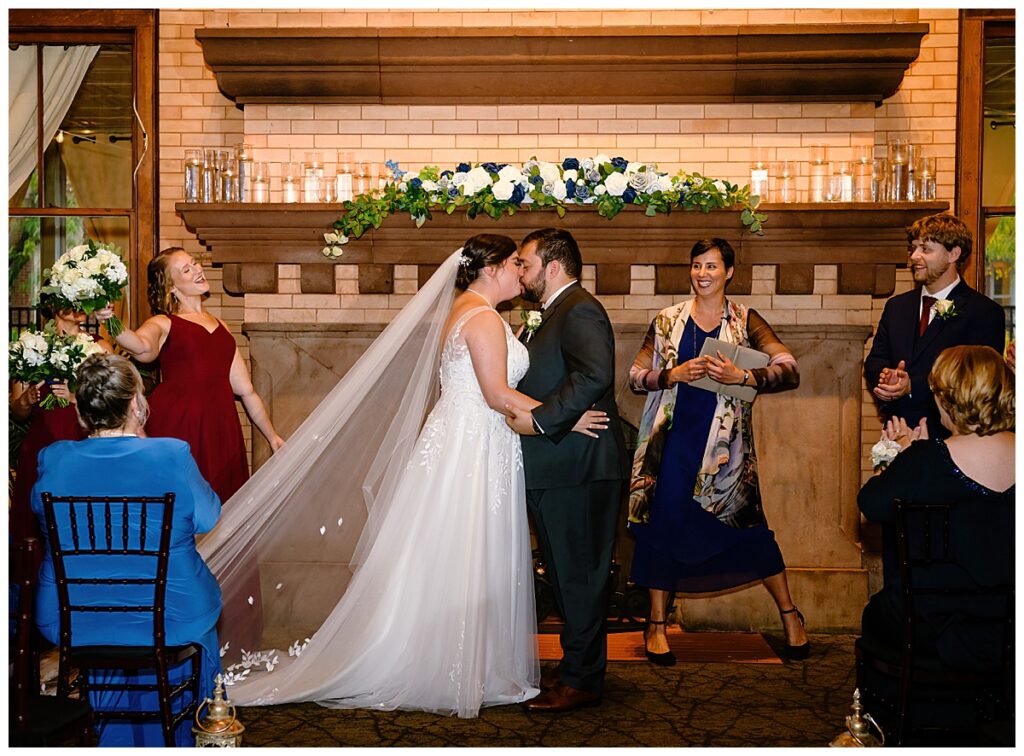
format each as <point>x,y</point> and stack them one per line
<point>557,244</point>
<point>724,249</point>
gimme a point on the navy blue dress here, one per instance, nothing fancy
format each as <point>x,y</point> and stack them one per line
<point>684,548</point>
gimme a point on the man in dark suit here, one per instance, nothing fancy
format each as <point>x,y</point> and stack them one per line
<point>574,484</point>
<point>917,325</point>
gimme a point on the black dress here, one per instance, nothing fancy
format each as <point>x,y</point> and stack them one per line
<point>926,472</point>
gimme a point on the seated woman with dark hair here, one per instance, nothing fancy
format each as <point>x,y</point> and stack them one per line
<point>974,467</point>
<point>113,461</point>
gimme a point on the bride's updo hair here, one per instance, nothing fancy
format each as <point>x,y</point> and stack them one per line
<point>480,251</point>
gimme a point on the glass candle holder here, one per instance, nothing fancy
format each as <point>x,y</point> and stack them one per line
<point>343,183</point>
<point>897,163</point>
<point>926,179</point>
<point>759,172</point>
<point>819,173</point>
<point>361,179</point>
<point>243,157</point>
<point>291,176</point>
<point>879,179</point>
<point>220,165</point>
<point>311,175</point>
<point>841,184</point>
<point>260,182</point>
<point>207,189</point>
<point>229,181</point>
<point>863,155</point>
<point>785,181</point>
<point>193,174</point>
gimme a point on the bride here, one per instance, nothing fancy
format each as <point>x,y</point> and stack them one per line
<point>394,560</point>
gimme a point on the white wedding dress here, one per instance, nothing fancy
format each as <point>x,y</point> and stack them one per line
<point>439,613</point>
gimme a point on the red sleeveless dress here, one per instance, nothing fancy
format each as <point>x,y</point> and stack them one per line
<point>194,402</point>
<point>46,427</point>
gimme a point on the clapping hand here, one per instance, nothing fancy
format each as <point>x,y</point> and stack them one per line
<point>893,383</point>
<point>896,429</point>
<point>723,369</point>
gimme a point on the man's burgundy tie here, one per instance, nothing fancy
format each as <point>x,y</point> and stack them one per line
<point>926,311</point>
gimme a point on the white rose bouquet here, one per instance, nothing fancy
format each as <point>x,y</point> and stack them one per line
<point>86,278</point>
<point>50,356</point>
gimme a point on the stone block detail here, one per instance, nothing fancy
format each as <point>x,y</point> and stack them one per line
<point>795,278</point>
<point>250,278</point>
<point>317,278</point>
<point>376,279</point>
<point>613,279</point>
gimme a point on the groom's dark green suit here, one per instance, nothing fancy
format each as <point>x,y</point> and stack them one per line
<point>574,483</point>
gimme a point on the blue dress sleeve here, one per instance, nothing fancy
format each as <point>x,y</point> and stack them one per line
<point>206,502</point>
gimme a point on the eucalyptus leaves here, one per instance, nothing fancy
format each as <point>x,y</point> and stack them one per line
<point>500,189</point>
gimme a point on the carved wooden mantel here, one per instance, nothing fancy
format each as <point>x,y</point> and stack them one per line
<point>866,241</point>
<point>628,64</point>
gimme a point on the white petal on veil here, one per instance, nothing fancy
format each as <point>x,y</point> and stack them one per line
<point>288,540</point>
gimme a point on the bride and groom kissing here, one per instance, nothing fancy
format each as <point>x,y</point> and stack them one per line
<point>522,424</point>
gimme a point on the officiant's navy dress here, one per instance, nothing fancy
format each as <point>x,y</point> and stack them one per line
<point>129,466</point>
<point>684,548</point>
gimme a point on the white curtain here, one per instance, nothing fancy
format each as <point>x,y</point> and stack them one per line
<point>63,71</point>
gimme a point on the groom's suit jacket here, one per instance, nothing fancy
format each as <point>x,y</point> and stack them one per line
<point>572,365</point>
<point>978,320</point>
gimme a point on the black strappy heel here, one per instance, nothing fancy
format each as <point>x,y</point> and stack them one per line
<point>801,652</point>
<point>667,659</point>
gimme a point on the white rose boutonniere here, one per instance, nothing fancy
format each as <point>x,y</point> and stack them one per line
<point>531,322</point>
<point>944,309</point>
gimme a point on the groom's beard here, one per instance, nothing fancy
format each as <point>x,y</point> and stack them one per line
<point>533,291</point>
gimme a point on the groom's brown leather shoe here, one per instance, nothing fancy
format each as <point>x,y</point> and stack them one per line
<point>563,698</point>
<point>550,679</point>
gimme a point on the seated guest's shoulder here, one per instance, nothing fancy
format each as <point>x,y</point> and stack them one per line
<point>164,445</point>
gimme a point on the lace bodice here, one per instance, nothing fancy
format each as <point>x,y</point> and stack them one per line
<point>457,376</point>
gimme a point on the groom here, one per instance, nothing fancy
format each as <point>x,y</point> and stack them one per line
<point>574,484</point>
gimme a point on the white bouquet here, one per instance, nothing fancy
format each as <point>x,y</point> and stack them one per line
<point>86,278</point>
<point>50,356</point>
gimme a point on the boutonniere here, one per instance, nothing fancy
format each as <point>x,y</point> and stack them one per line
<point>531,322</point>
<point>944,309</point>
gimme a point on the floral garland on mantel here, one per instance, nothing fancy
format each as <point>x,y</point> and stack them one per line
<point>500,189</point>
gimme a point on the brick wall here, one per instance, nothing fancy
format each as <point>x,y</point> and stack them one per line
<point>714,139</point>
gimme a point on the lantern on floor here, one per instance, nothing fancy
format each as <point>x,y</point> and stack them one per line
<point>220,727</point>
<point>858,729</point>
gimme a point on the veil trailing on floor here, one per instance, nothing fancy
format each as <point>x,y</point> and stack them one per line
<point>289,540</point>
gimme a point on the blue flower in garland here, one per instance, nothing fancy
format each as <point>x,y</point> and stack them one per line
<point>396,172</point>
<point>570,188</point>
<point>629,195</point>
<point>582,192</point>
<point>448,174</point>
<point>490,167</point>
<point>453,192</point>
<point>462,168</point>
<point>570,164</point>
<point>537,181</point>
<point>416,183</point>
<point>518,194</point>
<point>620,163</point>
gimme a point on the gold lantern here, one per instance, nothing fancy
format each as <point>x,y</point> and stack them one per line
<point>220,727</point>
<point>858,729</point>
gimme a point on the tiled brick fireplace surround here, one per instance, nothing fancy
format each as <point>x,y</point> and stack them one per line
<point>812,442</point>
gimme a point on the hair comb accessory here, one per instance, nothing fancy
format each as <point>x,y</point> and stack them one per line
<point>464,259</point>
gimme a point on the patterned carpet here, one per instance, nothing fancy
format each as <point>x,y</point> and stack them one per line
<point>691,704</point>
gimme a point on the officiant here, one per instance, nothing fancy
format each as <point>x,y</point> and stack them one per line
<point>695,505</point>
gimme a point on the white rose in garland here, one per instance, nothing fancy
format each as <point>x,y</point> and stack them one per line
<point>616,184</point>
<point>503,190</point>
<point>476,179</point>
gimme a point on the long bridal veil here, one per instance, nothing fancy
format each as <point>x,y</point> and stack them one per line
<point>289,540</point>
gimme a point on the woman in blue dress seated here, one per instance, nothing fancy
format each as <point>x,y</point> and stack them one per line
<point>974,467</point>
<point>695,505</point>
<point>114,461</point>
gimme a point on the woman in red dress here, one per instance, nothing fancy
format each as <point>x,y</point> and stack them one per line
<point>201,373</point>
<point>45,427</point>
